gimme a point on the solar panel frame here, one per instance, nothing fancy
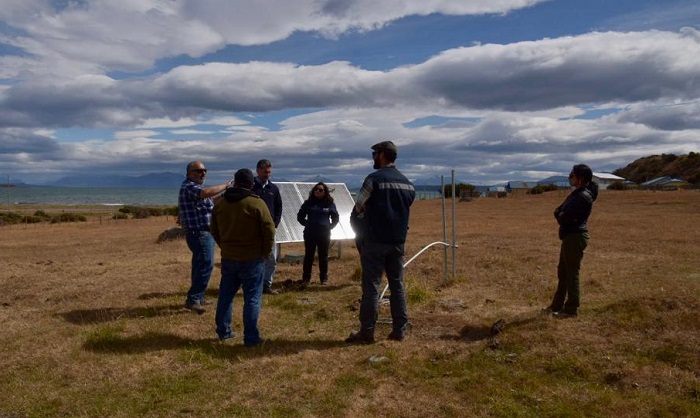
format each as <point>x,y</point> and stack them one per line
<point>293,196</point>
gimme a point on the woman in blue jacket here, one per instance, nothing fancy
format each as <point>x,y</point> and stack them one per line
<point>319,215</point>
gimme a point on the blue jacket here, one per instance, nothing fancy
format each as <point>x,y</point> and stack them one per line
<point>384,204</point>
<point>314,214</point>
<point>271,195</point>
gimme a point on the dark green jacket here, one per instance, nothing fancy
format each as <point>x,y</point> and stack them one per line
<point>242,226</point>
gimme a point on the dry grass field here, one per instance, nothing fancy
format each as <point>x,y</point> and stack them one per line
<point>93,323</point>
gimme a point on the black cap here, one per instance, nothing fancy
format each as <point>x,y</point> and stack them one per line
<point>244,178</point>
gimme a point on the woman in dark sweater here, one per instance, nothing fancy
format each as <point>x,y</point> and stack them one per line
<point>319,215</point>
<point>572,216</point>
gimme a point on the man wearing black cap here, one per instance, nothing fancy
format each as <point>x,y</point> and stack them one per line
<point>383,206</point>
<point>244,230</point>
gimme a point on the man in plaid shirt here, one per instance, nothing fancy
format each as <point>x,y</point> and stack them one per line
<point>195,205</point>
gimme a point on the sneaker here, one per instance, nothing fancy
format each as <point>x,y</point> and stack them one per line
<point>270,291</point>
<point>564,315</point>
<point>324,282</point>
<point>549,310</point>
<point>357,337</point>
<point>230,335</point>
<point>195,306</point>
<point>205,302</point>
<point>396,336</point>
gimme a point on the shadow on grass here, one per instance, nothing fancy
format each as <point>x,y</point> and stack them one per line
<point>210,293</point>
<point>474,333</point>
<point>231,349</point>
<point>101,315</point>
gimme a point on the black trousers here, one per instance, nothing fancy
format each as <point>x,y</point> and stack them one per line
<point>568,294</point>
<point>316,238</point>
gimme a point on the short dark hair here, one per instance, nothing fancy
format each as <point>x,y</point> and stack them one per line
<point>584,172</point>
<point>387,148</point>
<point>263,164</point>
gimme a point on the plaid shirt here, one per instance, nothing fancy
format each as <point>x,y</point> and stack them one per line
<point>194,212</point>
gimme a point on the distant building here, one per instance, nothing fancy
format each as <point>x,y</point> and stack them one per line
<point>665,183</point>
<point>519,188</point>
<point>561,182</point>
<point>606,179</point>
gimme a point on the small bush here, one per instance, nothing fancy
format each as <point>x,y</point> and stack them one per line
<point>68,217</point>
<point>543,188</point>
<point>10,218</point>
<point>43,215</point>
<point>618,185</point>
<point>461,189</point>
<point>142,212</point>
<point>120,215</point>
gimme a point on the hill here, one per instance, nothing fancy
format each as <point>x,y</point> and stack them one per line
<point>684,167</point>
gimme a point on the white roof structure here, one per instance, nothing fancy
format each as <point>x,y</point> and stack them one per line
<point>608,176</point>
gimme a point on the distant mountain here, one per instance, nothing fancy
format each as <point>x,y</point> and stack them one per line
<point>147,181</point>
<point>684,167</point>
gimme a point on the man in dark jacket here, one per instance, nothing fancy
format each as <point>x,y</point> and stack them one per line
<point>269,192</point>
<point>244,230</point>
<point>572,217</point>
<point>383,204</point>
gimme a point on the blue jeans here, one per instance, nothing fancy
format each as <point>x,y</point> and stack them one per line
<point>270,266</point>
<point>376,258</point>
<point>249,276</point>
<point>201,243</point>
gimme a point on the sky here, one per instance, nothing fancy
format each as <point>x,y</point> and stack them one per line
<point>496,90</point>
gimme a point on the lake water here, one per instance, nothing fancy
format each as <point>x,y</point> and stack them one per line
<point>87,196</point>
<point>108,197</point>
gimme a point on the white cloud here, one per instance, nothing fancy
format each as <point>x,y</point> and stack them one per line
<point>492,111</point>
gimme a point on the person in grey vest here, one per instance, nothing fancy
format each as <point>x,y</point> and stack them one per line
<point>383,207</point>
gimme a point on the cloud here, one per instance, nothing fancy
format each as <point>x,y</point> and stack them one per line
<point>494,111</point>
<point>524,76</point>
<point>70,38</point>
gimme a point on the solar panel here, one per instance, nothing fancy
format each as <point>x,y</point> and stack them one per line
<point>294,194</point>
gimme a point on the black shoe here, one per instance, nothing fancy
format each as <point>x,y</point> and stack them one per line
<point>270,291</point>
<point>357,337</point>
<point>195,306</point>
<point>396,336</point>
<point>303,284</point>
<point>564,315</point>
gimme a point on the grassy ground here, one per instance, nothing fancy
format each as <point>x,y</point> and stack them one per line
<point>93,323</point>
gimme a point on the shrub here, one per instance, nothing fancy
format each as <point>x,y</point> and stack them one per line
<point>43,215</point>
<point>68,217</point>
<point>142,212</point>
<point>120,215</point>
<point>10,218</point>
<point>539,189</point>
<point>461,189</point>
<point>617,185</point>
